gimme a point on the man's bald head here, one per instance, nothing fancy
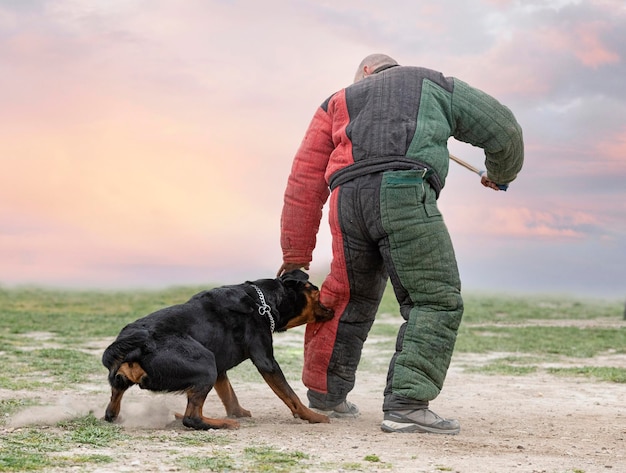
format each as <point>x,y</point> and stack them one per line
<point>371,63</point>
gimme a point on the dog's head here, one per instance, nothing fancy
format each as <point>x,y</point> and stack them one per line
<point>309,309</point>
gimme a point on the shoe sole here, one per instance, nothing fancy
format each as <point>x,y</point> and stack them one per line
<point>337,415</point>
<point>406,428</point>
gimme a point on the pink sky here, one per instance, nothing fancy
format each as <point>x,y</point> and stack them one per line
<point>147,143</point>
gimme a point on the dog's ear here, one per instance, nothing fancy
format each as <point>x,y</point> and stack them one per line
<point>294,277</point>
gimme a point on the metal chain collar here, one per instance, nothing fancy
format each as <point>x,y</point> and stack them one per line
<point>265,309</point>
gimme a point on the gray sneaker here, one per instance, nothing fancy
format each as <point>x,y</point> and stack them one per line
<point>344,410</point>
<point>419,420</point>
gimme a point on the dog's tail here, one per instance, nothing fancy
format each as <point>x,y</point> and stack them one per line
<point>126,348</point>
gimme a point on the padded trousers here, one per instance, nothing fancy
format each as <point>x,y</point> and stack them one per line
<point>386,226</point>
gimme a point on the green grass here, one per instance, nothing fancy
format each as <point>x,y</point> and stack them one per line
<point>77,315</point>
<point>566,341</point>
<point>71,320</point>
<point>35,448</point>
<point>254,459</point>
<point>612,375</point>
<point>508,366</point>
<point>517,309</point>
<point>197,439</point>
<point>216,462</point>
<point>88,430</point>
<point>269,459</point>
<point>46,367</point>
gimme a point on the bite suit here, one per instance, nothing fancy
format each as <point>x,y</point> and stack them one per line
<point>378,148</point>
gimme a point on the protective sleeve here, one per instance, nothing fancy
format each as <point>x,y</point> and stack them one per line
<point>307,191</point>
<point>484,122</point>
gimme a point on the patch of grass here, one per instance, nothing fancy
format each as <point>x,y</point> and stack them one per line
<point>17,384</point>
<point>198,439</point>
<point>88,430</point>
<point>215,462</point>
<point>22,461</point>
<point>77,460</point>
<point>373,458</point>
<point>67,366</point>
<point>352,466</point>
<point>37,448</point>
<point>480,308</point>
<point>504,367</point>
<point>566,341</point>
<point>610,374</point>
<point>269,459</point>
<point>28,450</point>
<point>76,315</point>
<point>50,367</point>
<point>387,328</point>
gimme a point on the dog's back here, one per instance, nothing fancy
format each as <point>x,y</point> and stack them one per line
<point>127,347</point>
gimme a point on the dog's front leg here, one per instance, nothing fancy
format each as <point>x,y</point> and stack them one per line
<point>113,408</point>
<point>276,380</point>
<point>226,393</point>
<point>120,380</point>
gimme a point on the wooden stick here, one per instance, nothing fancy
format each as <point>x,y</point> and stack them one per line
<point>466,165</point>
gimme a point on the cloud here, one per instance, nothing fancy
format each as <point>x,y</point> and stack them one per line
<point>590,49</point>
<point>613,149</point>
<point>522,223</point>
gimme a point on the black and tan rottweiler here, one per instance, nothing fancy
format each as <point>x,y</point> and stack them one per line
<point>190,347</point>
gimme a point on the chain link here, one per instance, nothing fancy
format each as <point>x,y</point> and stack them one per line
<point>265,309</point>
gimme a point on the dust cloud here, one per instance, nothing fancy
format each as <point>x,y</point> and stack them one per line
<point>139,410</point>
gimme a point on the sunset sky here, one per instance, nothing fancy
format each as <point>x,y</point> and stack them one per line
<point>147,143</point>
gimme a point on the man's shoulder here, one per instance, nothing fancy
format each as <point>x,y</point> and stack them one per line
<point>432,75</point>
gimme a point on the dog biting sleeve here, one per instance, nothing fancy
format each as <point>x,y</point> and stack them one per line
<point>483,121</point>
<point>307,191</point>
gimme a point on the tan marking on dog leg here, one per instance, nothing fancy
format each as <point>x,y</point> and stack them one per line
<point>133,371</point>
<point>115,404</point>
<point>279,385</point>
<point>194,419</point>
<point>227,394</point>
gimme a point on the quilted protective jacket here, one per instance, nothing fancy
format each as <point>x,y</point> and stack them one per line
<point>370,127</point>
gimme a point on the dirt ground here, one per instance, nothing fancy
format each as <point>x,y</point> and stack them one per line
<point>534,423</point>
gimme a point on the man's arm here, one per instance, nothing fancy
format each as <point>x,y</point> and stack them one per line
<point>484,122</point>
<point>306,193</point>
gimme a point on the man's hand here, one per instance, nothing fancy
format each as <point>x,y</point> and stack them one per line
<point>286,267</point>
<point>485,181</point>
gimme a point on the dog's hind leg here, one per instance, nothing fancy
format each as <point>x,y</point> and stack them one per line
<point>193,417</point>
<point>183,364</point>
<point>226,393</point>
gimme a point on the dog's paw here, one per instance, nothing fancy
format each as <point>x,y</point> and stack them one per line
<point>207,423</point>
<point>319,419</point>
<point>238,412</point>
<point>313,417</point>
